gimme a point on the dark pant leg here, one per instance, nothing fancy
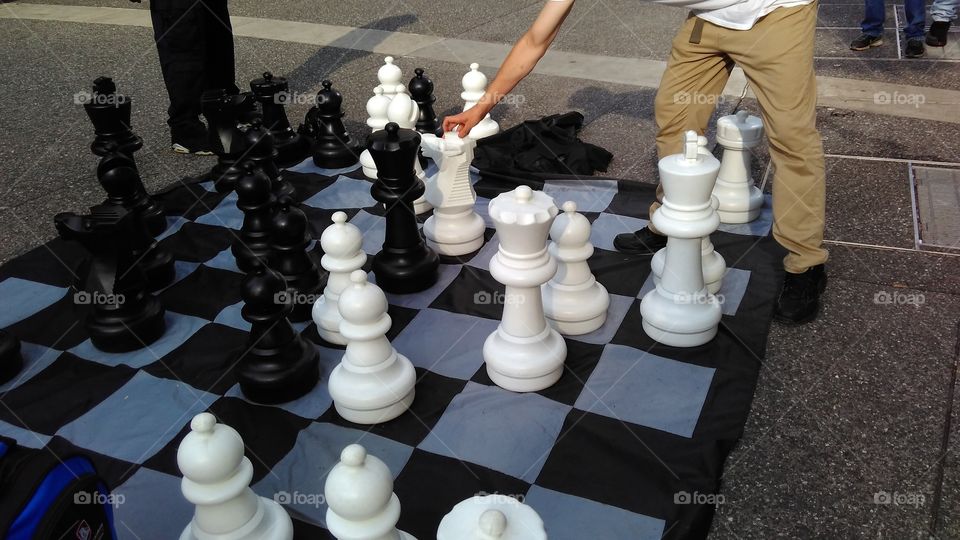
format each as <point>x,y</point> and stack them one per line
<point>916,12</point>
<point>873,14</point>
<point>220,70</point>
<point>178,29</point>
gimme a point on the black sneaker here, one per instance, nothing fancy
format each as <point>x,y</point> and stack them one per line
<point>865,41</point>
<point>799,299</point>
<point>642,242</point>
<point>937,35</point>
<point>914,48</point>
<point>191,140</point>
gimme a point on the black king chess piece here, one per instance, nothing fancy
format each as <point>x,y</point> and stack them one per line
<point>118,175</point>
<point>11,362</point>
<point>257,202</point>
<point>110,114</point>
<point>405,264</point>
<point>261,152</point>
<point>421,90</point>
<point>290,237</point>
<point>277,365</point>
<point>224,112</point>
<point>272,93</point>
<point>333,148</point>
<point>122,316</point>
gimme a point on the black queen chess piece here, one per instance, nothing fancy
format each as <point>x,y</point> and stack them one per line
<point>122,316</point>
<point>405,264</point>
<point>118,175</point>
<point>110,114</point>
<point>261,152</point>
<point>272,93</point>
<point>277,364</point>
<point>290,237</point>
<point>255,199</point>
<point>421,90</point>
<point>225,112</point>
<point>333,148</point>
<point>11,361</point>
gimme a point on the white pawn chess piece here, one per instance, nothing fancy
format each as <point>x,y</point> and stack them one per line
<point>404,111</point>
<point>454,228</point>
<point>391,78</point>
<point>740,199</point>
<point>524,354</point>
<point>491,517</point>
<point>679,311</point>
<point>574,302</point>
<point>342,244</point>
<point>361,504</point>
<point>377,108</point>
<point>373,382</point>
<point>474,86</point>
<point>216,478</point>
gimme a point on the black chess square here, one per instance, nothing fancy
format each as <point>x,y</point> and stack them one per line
<point>191,202</point>
<point>204,293</point>
<point>53,263</point>
<point>113,471</point>
<point>206,361</point>
<point>473,292</point>
<point>633,202</point>
<point>196,242</point>
<point>306,185</point>
<point>59,326</point>
<point>619,273</point>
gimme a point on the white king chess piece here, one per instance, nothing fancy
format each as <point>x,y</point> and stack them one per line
<point>740,199</point>
<point>454,228</point>
<point>342,244</point>
<point>491,517</point>
<point>216,478</point>
<point>474,86</point>
<point>524,354</point>
<point>377,108</point>
<point>679,311</point>
<point>404,111</point>
<point>574,301</point>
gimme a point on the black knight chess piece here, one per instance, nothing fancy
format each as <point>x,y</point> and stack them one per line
<point>290,237</point>
<point>261,152</point>
<point>122,316</point>
<point>333,148</point>
<point>277,365</point>
<point>421,90</point>
<point>224,113</point>
<point>118,175</point>
<point>110,114</point>
<point>11,361</point>
<point>405,264</point>
<point>272,93</point>
<point>257,202</point>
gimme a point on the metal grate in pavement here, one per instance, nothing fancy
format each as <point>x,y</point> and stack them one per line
<point>937,207</point>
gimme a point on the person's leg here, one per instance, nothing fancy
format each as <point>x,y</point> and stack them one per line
<point>942,12</point>
<point>874,13</point>
<point>916,11</point>
<point>220,67</point>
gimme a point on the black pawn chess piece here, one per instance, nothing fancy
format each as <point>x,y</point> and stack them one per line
<point>290,238</point>
<point>11,362</point>
<point>277,365</point>
<point>118,175</point>
<point>224,112</point>
<point>405,264</point>
<point>257,202</point>
<point>261,152</point>
<point>110,114</point>
<point>421,90</point>
<point>333,148</point>
<point>272,93</point>
<point>122,316</point>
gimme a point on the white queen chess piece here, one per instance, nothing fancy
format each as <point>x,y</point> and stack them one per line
<point>377,108</point>
<point>454,228</point>
<point>524,354</point>
<point>216,478</point>
<point>574,301</point>
<point>361,504</point>
<point>474,86</point>
<point>404,111</point>
<point>740,199</point>
<point>342,244</point>
<point>491,517</point>
<point>373,383</point>
<point>679,311</point>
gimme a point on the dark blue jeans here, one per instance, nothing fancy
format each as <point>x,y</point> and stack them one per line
<point>874,12</point>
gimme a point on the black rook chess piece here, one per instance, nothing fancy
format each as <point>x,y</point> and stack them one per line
<point>277,365</point>
<point>11,362</point>
<point>333,148</point>
<point>261,152</point>
<point>122,317</point>
<point>272,93</point>
<point>118,175</point>
<point>257,203</point>
<point>290,238</point>
<point>421,90</point>
<point>224,113</point>
<point>110,114</point>
<point>405,264</point>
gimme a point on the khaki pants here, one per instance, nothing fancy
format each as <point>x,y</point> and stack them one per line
<point>776,56</point>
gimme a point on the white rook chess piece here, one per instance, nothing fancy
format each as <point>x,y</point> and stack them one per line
<point>216,478</point>
<point>474,85</point>
<point>377,108</point>
<point>373,383</point>
<point>573,301</point>
<point>740,200</point>
<point>524,354</point>
<point>342,244</point>
<point>491,517</point>
<point>454,228</point>
<point>404,111</point>
<point>680,311</point>
<point>360,498</point>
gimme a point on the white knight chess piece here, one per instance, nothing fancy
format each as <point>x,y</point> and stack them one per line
<point>454,228</point>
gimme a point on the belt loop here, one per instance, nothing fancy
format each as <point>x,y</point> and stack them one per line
<point>697,31</point>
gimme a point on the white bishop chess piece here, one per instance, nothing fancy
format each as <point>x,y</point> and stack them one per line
<point>740,199</point>
<point>454,228</point>
<point>524,354</point>
<point>491,517</point>
<point>679,311</point>
<point>216,478</point>
<point>373,383</point>
<point>404,111</point>
<point>474,86</point>
<point>574,302</point>
<point>360,498</point>
<point>391,78</point>
<point>342,244</point>
<point>377,108</point>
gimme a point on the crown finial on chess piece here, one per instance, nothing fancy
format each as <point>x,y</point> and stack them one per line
<point>569,207</point>
<point>523,194</point>
<point>493,524</point>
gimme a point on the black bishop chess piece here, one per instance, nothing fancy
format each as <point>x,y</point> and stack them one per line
<point>278,364</point>
<point>405,264</point>
<point>11,361</point>
<point>225,112</point>
<point>273,93</point>
<point>421,90</point>
<point>257,202</point>
<point>290,237</point>
<point>122,316</point>
<point>333,148</point>
<point>110,114</point>
<point>118,175</point>
<point>261,152</point>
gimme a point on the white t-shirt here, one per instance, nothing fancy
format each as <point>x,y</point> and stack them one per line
<point>734,14</point>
